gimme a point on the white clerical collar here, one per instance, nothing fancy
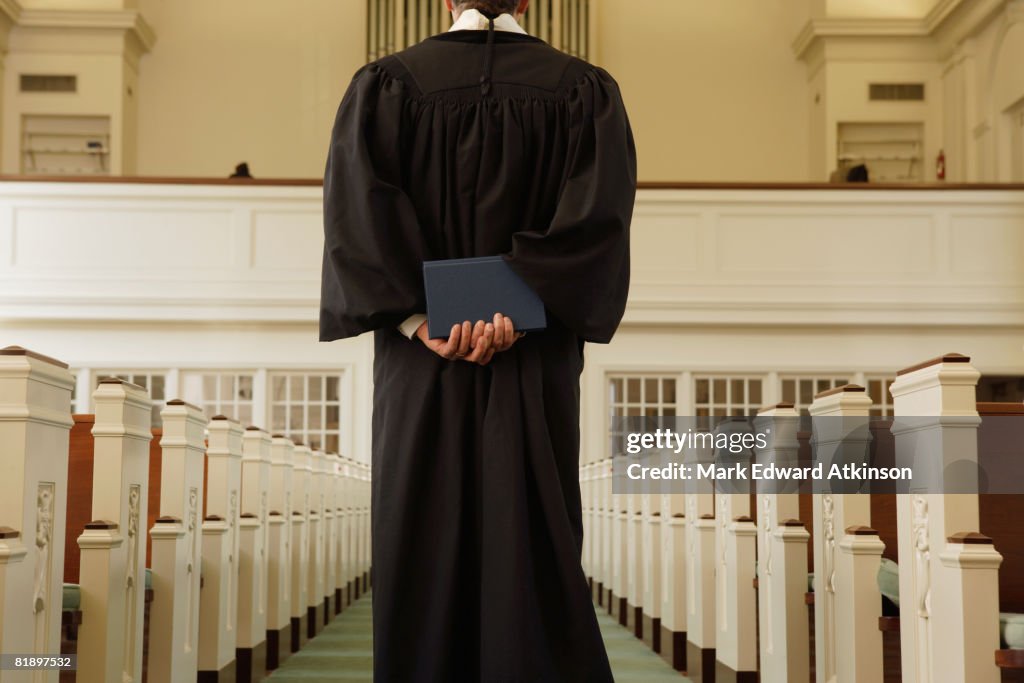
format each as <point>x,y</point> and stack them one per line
<point>473,20</point>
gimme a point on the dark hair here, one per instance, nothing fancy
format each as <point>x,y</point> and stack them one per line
<point>490,8</point>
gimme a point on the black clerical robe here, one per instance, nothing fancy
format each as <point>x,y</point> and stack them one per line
<point>445,151</point>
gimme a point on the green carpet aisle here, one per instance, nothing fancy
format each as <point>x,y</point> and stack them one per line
<point>344,652</point>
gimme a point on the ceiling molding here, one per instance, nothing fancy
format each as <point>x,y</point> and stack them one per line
<point>130,21</point>
<point>939,13</point>
<point>11,10</point>
<point>816,30</point>
<point>958,18</point>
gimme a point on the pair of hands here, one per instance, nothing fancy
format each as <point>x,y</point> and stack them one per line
<point>473,343</point>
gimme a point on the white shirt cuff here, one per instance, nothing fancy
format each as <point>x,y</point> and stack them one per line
<point>411,324</point>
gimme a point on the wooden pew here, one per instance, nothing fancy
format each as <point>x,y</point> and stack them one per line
<point>218,607</point>
<point>176,541</point>
<point>35,399</point>
<point>847,551</point>
<point>783,632</point>
<point>949,600</point>
<point>279,573</point>
<point>112,570</point>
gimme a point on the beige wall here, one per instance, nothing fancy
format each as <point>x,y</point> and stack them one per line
<point>245,80</point>
<point>713,89</point>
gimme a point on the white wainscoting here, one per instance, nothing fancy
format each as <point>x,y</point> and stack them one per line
<point>166,252</point>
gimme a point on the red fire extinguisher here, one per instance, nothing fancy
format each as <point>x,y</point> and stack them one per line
<point>940,166</point>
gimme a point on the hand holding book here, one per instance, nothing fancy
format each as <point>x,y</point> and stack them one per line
<point>473,343</point>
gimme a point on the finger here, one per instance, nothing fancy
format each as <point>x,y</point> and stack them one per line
<point>499,330</point>
<point>510,332</point>
<point>487,356</point>
<point>447,350</point>
<point>465,341</point>
<point>482,345</point>
<point>478,331</point>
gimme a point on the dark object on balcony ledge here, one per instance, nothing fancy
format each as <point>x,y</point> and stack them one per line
<point>857,174</point>
<point>241,171</point>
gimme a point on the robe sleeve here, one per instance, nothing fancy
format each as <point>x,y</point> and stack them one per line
<point>373,245</point>
<point>579,263</point>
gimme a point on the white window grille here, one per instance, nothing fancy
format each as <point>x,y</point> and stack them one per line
<point>307,406</point>
<point>800,390</point>
<point>639,396</point>
<point>227,393</point>
<point>727,395</point>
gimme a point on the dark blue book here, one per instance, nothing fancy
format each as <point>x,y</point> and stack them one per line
<point>475,289</point>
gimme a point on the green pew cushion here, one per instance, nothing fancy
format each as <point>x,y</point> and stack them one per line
<point>1011,625</point>
<point>889,580</point>
<point>72,598</point>
<point>1011,629</point>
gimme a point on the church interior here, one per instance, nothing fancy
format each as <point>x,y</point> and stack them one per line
<point>829,220</point>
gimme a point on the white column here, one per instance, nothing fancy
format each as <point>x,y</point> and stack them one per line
<point>253,541</point>
<point>949,614</point>
<point>177,547</point>
<point>782,553</point>
<point>700,561</point>
<point>847,598</point>
<point>735,551</point>
<point>218,601</point>
<point>113,566</point>
<point>35,417</point>
<point>300,539</point>
<point>279,562</point>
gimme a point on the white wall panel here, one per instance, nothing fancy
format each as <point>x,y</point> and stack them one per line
<point>94,238</point>
<point>287,239</point>
<point>123,251</point>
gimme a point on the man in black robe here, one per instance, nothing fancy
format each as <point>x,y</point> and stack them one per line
<point>477,143</point>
